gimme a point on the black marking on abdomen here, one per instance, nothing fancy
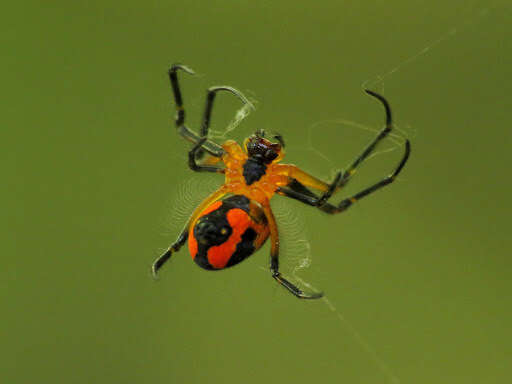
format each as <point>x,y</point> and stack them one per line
<point>253,170</point>
<point>208,233</point>
<point>235,201</point>
<point>201,258</point>
<point>244,248</point>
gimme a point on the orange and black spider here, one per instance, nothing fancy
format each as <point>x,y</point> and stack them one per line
<point>236,220</point>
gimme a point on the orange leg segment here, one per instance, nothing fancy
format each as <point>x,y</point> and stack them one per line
<point>303,177</point>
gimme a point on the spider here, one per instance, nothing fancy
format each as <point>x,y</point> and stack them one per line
<point>236,220</point>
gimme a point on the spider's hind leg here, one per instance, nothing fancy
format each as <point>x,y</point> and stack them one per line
<point>175,247</point>
<point>274,261</point>
<point>182,238</point>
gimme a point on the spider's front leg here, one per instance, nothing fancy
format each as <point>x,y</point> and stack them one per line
<point>274,260</point>
<point>207,146</point>
<point>187,133</point>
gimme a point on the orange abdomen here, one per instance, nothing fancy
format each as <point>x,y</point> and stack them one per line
<point>227,232</point>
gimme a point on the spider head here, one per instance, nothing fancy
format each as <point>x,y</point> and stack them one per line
<point>263,150</point>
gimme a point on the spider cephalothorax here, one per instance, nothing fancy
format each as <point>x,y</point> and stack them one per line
<point>262,150</point>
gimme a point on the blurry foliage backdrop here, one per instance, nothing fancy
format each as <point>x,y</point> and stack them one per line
<point>92,167</point>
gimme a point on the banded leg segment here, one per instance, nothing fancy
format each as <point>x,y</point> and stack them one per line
<point>182,238</point>
<point>298,191</point>
<point>274,260</point>
<point>295,173</point>
<point>192,156</point>
<point>175,247</point>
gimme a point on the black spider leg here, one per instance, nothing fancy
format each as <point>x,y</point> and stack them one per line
<point>369,149</point>
<point>210,98</point>
<point>175,247</point>
<point>292,288</point>
<point>209,146</point>
<point>298,191</point>
<point>274,260</point>
<point>192,156</point>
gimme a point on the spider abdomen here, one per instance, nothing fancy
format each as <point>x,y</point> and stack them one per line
<point>227,232</point>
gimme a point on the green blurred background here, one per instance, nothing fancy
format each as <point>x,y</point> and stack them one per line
<point>92,169</point>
